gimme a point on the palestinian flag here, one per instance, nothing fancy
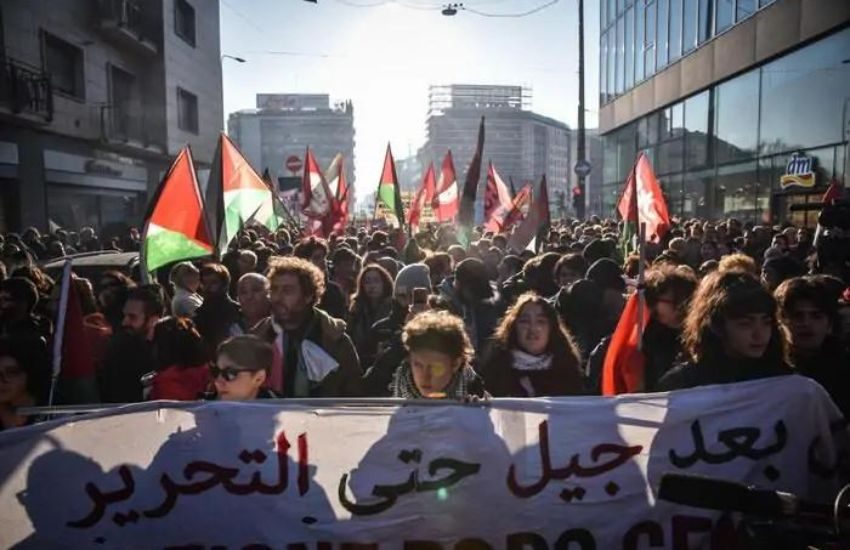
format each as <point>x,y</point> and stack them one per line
<point>498,203</point>
<point>175,228</point>
<point>388,203</point>
<point>535,224</point>
<point>623,369</point>
<point>236,194</point>
<point>642,202</point>
<point>446,203</point>
<point>466,216</point>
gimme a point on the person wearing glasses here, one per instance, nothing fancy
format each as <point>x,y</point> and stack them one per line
<point>241,369</point>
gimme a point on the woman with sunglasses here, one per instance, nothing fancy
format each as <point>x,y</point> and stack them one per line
<point>241,368</point>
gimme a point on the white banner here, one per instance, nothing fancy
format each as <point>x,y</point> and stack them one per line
<point>524,474</point>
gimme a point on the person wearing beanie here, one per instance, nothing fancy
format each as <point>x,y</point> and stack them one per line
<point>780,268</point>
<point>472,297</point>
<point>387,331</point>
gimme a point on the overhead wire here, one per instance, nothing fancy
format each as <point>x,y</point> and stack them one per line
<point>521,14</point>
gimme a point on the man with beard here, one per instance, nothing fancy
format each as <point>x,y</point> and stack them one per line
<point>129,355</point>
<point>314,357</point>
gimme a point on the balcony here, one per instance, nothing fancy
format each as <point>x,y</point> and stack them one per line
<point>133,130</point>
<point>129,24</point>
<point>26,90</point>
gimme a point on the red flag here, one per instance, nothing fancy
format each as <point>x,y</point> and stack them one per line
<point>622,371</point>
<point>423,196</point>
<point>497,201</point>
<point>446,202</point>
<point>643,202</point>
<point>535,223</point>
<point>519,202</point>
<point>76,353</point>
<point>339,213</point>
<point>833,193</point>
<point>316,196</point>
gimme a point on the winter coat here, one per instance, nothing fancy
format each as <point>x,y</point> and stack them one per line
<point>390,353</point>
<point>480,318</point>
<point>214,318</point>
<point>180,383</point>
<point>830,368</point>
<point>563,377</point>
<point>329,334</point>
<point>185,303</point>
<point>728,371</point>
<point>128,358</point>
<point>359,327</point>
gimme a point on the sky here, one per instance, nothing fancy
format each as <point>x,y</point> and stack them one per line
<point>383,55</point>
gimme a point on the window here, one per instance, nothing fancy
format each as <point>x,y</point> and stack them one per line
<point>725,13</point>
<point>804,94</point>
<point>675,29</point>
<point>603,68</point>
<point>64,63</point>
<point>699,195</point>
<point>612,11</point>
<point>612,62</point>
<point>661,42</point>
<point>640,44</point>
<point>184,21</point>
<point>649,54</point>
<point>745,9</point>
<point>689,25</point>
<point>120,101</point>
<point>704,31</point>
<point>621,47</point>
<point>187,111</point>
<point>736,111</point>
<point>630,48</point>
<point>697,131</point>
<point>763,3</point>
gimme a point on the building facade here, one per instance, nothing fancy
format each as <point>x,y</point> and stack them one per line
<point>96,97</point>
<point>741,105</point>
<point>521,144</point>
<point>284,125</point>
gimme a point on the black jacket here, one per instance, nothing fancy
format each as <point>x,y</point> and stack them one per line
<point>127,359</point>
<point>728,371</point>
<point>214,318</point>
<point>829,368</point>
<point>391,353</point>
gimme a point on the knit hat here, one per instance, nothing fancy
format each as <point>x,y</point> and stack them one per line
<point>607,274</point>
<point>413,276</point>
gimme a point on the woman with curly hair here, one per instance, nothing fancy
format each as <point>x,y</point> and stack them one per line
<point>532,354</point>
<point>731,334</point>
<point>437,366</point>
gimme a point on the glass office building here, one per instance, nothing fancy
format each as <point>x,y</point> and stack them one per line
<point>752,145</point>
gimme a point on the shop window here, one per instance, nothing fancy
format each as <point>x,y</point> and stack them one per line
<point>803,97</point>
<point>689,25</point>
<point>184,21</point>
<point>736,118</point>
<point>64,63</point>
<point>736,191</point>
<point>675,29</point>
<point>187,111</point>
<point>662,42</point>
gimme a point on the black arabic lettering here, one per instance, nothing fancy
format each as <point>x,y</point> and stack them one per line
<point>620,455</point>
<point>391,493</point>
<point>739,442</point>
<point>101,500</point>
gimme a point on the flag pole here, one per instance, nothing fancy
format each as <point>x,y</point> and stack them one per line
<point>640,284</point>
<point>60,330</point>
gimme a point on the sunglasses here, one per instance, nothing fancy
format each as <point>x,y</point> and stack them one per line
<point>228,373</point>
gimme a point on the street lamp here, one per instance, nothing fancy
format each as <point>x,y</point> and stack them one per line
<point>233,57</point>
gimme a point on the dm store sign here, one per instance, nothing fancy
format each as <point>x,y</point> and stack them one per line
<point>799,172</point>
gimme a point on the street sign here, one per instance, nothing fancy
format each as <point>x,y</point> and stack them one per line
<point>293,164</point>
<point>582,169</point>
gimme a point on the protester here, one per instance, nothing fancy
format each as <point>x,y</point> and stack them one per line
<point>18,301</point>
<point>731,334</point>
<point>579,307</point>
<point>532,354</point>
<point>471,296</point>
<point>130,353</point>
<point>252,292</point>
<point>808,311</point>
<point>569,269</point>
<point>333,300</point>
<point>438,363</point>
<point>371,303</point>
<point>314,357</point>
<point>219,311</point>
<point>344,270</point>
<point>181,361</point>
<point>609,276</point>
<point>24,380</point>
<point>186,279</point>
<point>111,291</point>
<point>241,369</point>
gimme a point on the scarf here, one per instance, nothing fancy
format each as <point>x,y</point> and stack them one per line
<point>523,361</point>
<point>404,387</point>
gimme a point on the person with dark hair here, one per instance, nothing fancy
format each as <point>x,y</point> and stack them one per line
<point>24,380</point>
<point>471,297</point>
<point>18,300</point>
<point>371,303</point>
<point>438,363</point>
<point>344,269</point>
<point>667,291</point>
<point>241,369</point>
<point>314,357</point>
<point>333,300</point>
<point>731,334</point>
<point>532,354</point>
<point>180,358</point>
<point>808,311</point>
<point>579,306</point>
<point>111,291</point>
<point>439,268</point>
<point>609,276</point>
<point>569,269</point>
<point>219,311</point>
<point>43,284</point>
<point>129,354</point>
<point>777,270</point>
<point>508,267</point>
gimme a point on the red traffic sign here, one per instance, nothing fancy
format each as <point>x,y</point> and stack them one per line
<point>294,164</point>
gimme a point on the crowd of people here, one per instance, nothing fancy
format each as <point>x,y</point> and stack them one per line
<point>371,314</point>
